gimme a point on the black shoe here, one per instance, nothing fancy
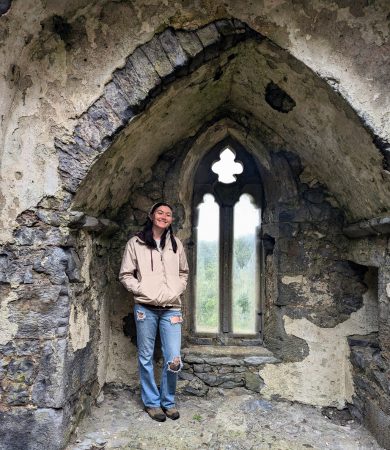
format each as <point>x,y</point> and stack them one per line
<point>156,414</point>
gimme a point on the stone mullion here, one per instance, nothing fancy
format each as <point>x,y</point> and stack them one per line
<point>225,275</point>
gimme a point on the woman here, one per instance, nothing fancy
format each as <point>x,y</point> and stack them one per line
<point>154,268</point>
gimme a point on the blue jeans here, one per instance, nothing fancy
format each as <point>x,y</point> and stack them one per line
<point>148,321</point>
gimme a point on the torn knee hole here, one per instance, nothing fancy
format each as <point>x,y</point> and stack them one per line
<point>176,319</point>
<point>175,365</point>
<point>140,315</point>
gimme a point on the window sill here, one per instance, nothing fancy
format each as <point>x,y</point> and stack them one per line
<point>228,355</point>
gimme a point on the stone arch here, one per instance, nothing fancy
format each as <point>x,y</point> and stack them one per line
<point>175,55</point>
<point>167,57</point>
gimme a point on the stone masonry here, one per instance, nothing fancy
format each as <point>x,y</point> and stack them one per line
<point>185,80</point>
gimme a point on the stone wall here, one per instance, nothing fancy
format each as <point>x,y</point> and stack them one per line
<point>223,368</point>
<point>370,354</point>
<point>310,288</point>
<point>123,131</point>
<point>58,56</point>
<point>48,375</point>
<point>315,297</point>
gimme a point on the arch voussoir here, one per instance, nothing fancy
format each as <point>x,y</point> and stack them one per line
<point>152,66</point>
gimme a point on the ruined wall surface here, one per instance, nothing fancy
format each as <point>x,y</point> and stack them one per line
<point>315,297</point>
<point>60,312</point>
<point>57,56</point>
<point>370,354</point>
<point>50,355</point>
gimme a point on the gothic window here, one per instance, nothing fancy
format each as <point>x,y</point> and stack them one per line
<point>227,258</point>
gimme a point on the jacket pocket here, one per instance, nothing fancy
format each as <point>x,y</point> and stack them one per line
<point>176,286</point>
<point>150,287</point>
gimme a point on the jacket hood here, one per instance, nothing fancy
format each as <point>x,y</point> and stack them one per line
<point>141,236</point>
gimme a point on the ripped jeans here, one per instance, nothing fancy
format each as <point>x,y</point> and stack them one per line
<point>148,321</point>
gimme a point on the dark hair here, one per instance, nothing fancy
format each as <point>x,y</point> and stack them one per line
<point>147,232</point>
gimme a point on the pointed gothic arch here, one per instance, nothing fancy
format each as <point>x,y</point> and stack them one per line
<point>225,300</point>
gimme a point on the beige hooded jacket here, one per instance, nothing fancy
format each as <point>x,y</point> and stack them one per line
<point>155,278</point>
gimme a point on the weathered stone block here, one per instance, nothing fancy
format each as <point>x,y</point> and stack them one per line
<point>3,368</point>
<point>369,340</point>
<point>377,422</point>
<point>4,264</point>
<point>60,264</point>
<point>226,369</point>
<point>253,382</point>
<point>50,384</point>
<point>137,80</point>
<point>231,384</point>
<point>60,203</point>
<point>20,347</point>
<point>202,368</point>
<point>187,366</point>
<point>39,236</point>
<point>210,39</point>
<point>314,196</point>
<point>186,376</point>
<point>193,47</point>
<point>21,370</point>
<point>77,148</point>
<point>364,387</point>
<point>49,217</point>
<point>62,373</point>
<point>159,59</point>
<point>26,429</point>
<point>356,408</point>
<point>228,32</point>
<point>80,368</point>
<point>379,361</point>
<point>381,224</point>
<point>15,393</point>
<point>88,132</point>
<point>382,379</point>
<point>118,103</point>
<point>104,118</point>
<point>361,357</point>
<point>192,359</point>
<point>258,360</point>
<point>149,79</point>
<point>16,265</point>
<point>217,379</point>
<point>239,25</point>
<point>223,361</point>
<point>209,379</point>
<point>71,172</point>
<point>197,388</point>
<point>173,49</point>
<point>42,318</point>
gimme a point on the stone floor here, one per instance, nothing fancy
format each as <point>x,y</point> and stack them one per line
<point>231,419</point>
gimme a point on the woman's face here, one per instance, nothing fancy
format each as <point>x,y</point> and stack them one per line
<point>162,217</point>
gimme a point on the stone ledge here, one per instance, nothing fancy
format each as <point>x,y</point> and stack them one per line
<point>370,227</point>
<point>226,351</point>
<point>228,355</point>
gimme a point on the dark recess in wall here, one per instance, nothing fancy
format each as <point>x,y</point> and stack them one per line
<point>278,99</point>
<point>5,5</point>
<point>384,147</point>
